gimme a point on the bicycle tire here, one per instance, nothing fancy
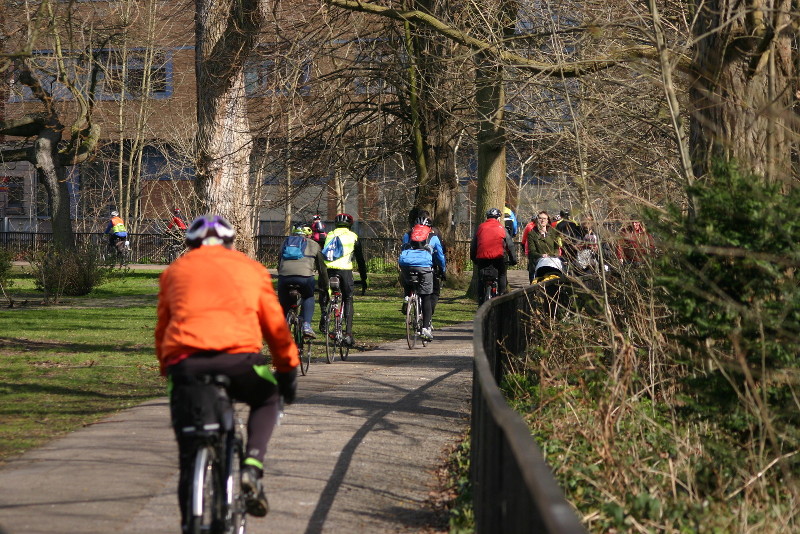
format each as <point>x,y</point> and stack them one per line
<point>205,499</point>
<point>296,329</point>
<point>411,321</point>
<point>344,350</point>
<point>236,516</point>
<point>305,357</point>
<point>330,331</point>
<point>419,321</point>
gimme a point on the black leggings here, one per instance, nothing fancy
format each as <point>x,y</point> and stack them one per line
<point>247,386</point>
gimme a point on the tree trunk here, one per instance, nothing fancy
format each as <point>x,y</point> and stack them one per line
<point>743,91</point>
<point>226,33</point>
<point>490,101</point>
<point>52,175</point>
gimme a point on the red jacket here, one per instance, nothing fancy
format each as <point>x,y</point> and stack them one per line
<point>216,299</point>
<point>490,243</point>
<point>528,227</point>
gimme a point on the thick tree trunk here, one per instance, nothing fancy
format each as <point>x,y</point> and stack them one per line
<point>52,175</point>
<point>226,33</point>
<point>490,102</point>
<point>743,92</point>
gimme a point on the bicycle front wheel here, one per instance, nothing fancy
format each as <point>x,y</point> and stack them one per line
<point>330,332</point>
<point>205,497</point>
<point>411,321</point>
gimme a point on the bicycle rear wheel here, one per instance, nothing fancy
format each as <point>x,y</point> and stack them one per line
<point>411,321</point>
<point>296,329</point>
<point>330,331</point>
<point>205,497</point>
<point>236,516</point>
<point>419,321</point>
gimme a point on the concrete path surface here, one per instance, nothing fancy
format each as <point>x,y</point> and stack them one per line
<point>355,453</point>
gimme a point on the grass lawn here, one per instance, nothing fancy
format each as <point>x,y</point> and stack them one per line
<point>69,365</point>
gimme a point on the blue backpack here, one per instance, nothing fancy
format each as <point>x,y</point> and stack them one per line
<point>333,249</point>
<point>294,247</point>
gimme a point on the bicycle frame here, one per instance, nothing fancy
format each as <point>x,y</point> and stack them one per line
<point>295,322</point>
<point>216,503</point>
<point>334,336</point>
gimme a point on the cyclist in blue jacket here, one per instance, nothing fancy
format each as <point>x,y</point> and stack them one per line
<point>421,251</point>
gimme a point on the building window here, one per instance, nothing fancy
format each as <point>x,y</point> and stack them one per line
<point>128,73</point>
<point>134,73</point>
<point>45,69</point>
<point>372,66</point>
<point>274,71</point>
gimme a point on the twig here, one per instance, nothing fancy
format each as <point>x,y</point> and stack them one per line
<point>761,473</point>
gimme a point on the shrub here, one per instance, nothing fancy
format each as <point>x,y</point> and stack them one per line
<point>5,268</point>
<point>67,272</point>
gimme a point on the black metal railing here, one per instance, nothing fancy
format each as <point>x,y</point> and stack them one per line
<point>380,252</point>
<point>513,489</point>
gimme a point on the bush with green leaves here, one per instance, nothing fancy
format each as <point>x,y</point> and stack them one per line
<point>730,269</point>
<point>67,272</point>
<point>5,268</point>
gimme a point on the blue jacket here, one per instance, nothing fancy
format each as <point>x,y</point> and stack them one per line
<point>420,257</point>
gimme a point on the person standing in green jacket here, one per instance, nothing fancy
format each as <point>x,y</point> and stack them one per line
<point>542,242</point>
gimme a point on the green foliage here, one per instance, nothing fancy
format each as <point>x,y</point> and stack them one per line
<point>5,268</point>
<point>730,271</point>
<point>67,272</point>
<point>462,515</point>
<point>377,265</point>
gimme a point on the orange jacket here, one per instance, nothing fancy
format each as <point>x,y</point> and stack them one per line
<point>217,299</point>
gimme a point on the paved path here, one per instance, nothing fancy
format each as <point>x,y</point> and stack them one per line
<point>356,453</point>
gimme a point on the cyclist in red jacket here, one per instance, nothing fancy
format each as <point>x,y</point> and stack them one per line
<point>489,248</point>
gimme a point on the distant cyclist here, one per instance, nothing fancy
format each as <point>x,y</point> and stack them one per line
<point>439,274</point>
<point>490,247</point>
<point>318,232</point>
<point>116,230</point>
<point>510,221</point>
<point>421,251</point>
<point>300,257</point>
<point>215,308</point>
<point>177,221</point>
<point>342,246</point>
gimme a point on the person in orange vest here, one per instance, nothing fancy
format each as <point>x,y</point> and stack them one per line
<point>490,246</point>
<point>215,308</point>
<point>115,229</point>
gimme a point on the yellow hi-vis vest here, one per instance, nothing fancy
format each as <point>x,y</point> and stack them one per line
<point>117,225</point>
<point>348,239</point>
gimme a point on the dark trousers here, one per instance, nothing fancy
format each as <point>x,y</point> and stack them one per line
<point>346,284</point>
<point>307,286</point>
<point>247,386</point>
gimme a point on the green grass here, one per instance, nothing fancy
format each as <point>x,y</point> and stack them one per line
<point>66,366</point>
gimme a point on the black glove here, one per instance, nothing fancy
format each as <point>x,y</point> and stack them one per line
<point>363,286</point>
<point>287,385</point>
<point>443,276</point>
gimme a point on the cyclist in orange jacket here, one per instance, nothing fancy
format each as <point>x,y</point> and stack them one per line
<point>215,308</point>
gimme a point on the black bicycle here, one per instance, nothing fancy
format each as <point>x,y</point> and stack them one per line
<point>118,252</point>
<point>488,283</point>
<point>176,246</point>
<point>216,502</point>
<point>414,312</point>
<point>334,336</point>
<point>295,322</point>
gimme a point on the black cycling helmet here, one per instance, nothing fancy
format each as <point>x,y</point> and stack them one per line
<point>564,213</point>
<point>344,219</point>
<point>493,213</point>
<point>210,230</point>
<point>423,221</point>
